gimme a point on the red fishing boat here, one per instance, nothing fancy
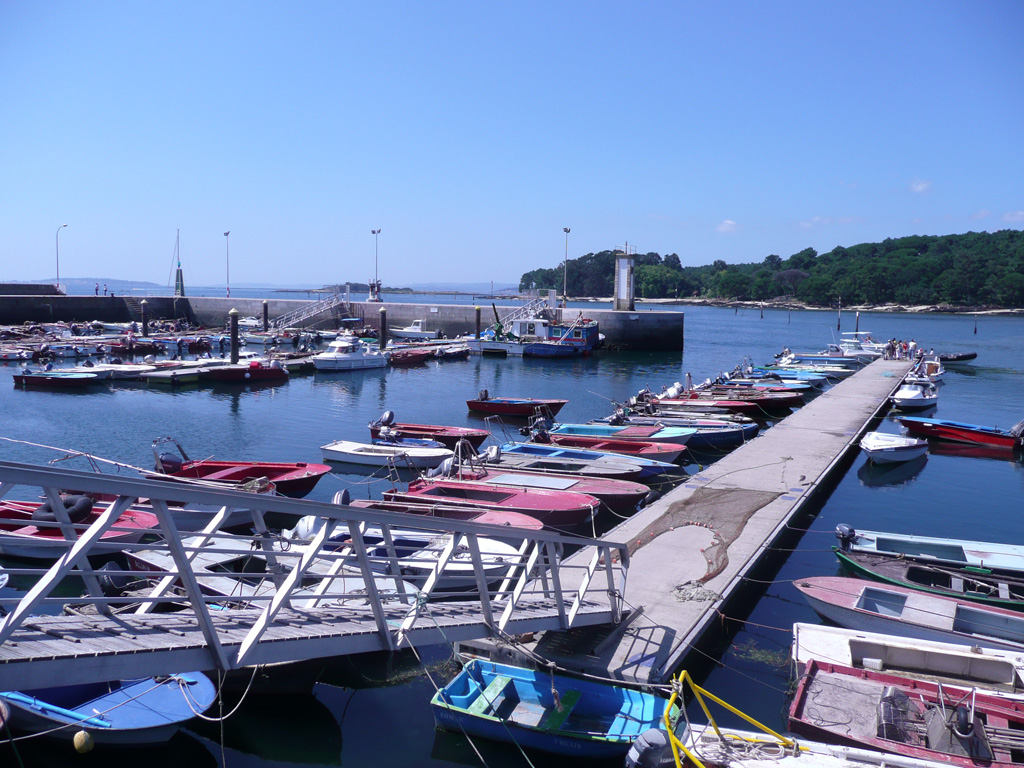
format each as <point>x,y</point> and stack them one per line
<point>447,436</point>
<point>502,517</point>
<point>295,479</point>
<point>672,452</point>
<point>620,496</point>
<point>961,432</point>
<point>524,407</point>
<point>945,724</point>
<point>30,530</point>
<point>556,509</point>
<point>254,370</point>
<point>408,357</point>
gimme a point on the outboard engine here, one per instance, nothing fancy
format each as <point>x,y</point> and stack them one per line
<point>113,579</point>
<point>484,395</point>
<point>342,498</point>
<point>169,463</point>
<point>387,419</point>
<point>443,469</point>
<point>651,750</point>
<point>493,454</point>
<point>846,535</point>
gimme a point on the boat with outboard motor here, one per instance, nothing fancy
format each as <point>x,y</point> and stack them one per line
<point>963,432</point>
<point>649,468</point>
<point>447,436</point>
<point>612,467</point>
<point>295,479</point>
<point>915,394</point>
<point>380,454</point>
<point>515,406</point>
<point>983,572</point>
<point>899,610</point>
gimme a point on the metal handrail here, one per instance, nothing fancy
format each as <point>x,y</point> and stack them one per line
<point>535,576</point>
<point>309,310</point>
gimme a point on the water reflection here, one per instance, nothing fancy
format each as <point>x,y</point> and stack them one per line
<point>877,475</point>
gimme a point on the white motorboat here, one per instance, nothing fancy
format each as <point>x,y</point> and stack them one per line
<point>886,448</point>
<point>347,353</point>
<point>416,456</point>
<point>415,331</point>
<point>915,395</point>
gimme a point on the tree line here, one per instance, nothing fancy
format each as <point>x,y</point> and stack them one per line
<point>974,269</point>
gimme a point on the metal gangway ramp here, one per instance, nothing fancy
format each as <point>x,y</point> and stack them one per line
<point>291,610</point>
<point>297,316</point>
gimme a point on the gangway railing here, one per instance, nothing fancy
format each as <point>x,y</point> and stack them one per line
<point>219,600</point>
<point>309,310</point>
<point>530,309</point>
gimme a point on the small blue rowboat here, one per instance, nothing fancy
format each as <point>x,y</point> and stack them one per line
<point>125,712</point>
<point>585,719</point>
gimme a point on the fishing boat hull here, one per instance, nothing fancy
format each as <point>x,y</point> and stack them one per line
<point>665,452</point>
<point>447,436</point>
<point>295,479</point>
<point>649,468</point>
<point>963,432</point>
<point>523,407</point>
<point>381,455</point>
<point>551,713</point>
<point>123,713</point>
<point>897,610</point>
<point>883,448</point>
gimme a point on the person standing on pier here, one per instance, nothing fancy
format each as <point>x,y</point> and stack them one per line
<point>104,289</point>
<point>97,289</point>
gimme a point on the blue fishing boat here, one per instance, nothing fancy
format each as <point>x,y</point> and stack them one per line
<point>711,434</point>
<point>648,467</point>
<point>144,711</point>
<point>547,712</point>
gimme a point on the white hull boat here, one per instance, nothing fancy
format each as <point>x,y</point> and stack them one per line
<point>891,609</point>
<point>348,354</point>
<point>415,331</point>
<point>915,396</point>
<point>997,671</point>
<point>418,457</point>
<point>885,448</point>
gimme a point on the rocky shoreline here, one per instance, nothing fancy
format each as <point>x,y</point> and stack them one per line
<point>792,304</point>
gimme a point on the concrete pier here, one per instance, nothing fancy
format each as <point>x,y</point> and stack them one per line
<point>691,550</point>
<point>640,330</point>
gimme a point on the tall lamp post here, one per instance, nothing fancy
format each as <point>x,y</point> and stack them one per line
<point>565,269</point>
<point>227,261</point>
<point>376,280</point>
<point>58,253</point>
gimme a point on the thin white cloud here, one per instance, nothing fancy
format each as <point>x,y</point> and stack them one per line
<point>920,186</point>
<point>814,221</point>
<point>1013,216</point>
<point>727,226</point>
<point>982,214</point>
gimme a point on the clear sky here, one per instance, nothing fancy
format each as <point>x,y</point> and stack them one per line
<point>471,133</point>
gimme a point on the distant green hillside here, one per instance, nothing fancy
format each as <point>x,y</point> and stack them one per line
<point>977,268</point>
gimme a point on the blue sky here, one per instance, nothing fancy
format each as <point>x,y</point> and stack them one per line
<point>472,133</point>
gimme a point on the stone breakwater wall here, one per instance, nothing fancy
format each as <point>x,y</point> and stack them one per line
<point>640,330</point>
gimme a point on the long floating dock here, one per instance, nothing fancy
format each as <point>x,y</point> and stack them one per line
<point>691,550</point>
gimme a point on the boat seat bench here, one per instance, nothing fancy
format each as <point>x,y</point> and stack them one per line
<point>490,695</point>
<point>556,718</point>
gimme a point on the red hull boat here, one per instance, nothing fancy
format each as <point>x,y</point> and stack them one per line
<point>524,407</point>
<point>947,724</point>
<point>294,479</point>
<point>672,452</point>
<point>555,509</point>
<point>621,496</point>
<point>447,436</point>
<point>29,530</point>
<point>961,432</point>
<point>252,371</point>
<point>409,357</point>
<point>500,517</point>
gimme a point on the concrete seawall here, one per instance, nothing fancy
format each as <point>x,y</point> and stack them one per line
<point>647,330</point>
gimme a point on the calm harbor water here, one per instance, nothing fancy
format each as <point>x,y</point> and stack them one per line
<point>947,495</point>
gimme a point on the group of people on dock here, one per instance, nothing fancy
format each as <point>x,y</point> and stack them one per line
<point>897,349</point>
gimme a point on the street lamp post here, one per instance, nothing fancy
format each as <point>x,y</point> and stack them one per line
<point>227,262</point>
<point>376,280</point>
<point>58,253</point>
<point>565,269</point>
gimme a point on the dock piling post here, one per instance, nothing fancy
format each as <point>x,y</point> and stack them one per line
<point>382,336</point>
<point>144,305</point>
<point>477,323</point>
<point>266,315</point>
<point>233,318</point>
